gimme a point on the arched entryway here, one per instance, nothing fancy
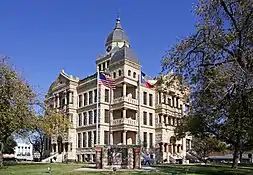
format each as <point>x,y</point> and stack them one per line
<point>172,146</point>
<point>59,144</point>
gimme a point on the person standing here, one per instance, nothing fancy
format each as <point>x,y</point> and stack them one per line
<point>147,160</point>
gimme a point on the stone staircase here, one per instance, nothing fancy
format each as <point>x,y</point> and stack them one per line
<point>59,158</point>
<point>48,159</point>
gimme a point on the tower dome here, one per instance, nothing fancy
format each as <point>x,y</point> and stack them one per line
<point>124,53</point>
<point>117,35</point>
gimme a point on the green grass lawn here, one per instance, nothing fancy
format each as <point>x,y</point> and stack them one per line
<point>67,169</point>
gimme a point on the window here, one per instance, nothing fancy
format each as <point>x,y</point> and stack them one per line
<point>173,121</point>
<point>114,74</point>
<point>173,102</point>
<point>169,101</point>
<point>150,139</point>
<point>145,144</point>
<point>164,99</point>
<point>95,95</point>
<point>99,67</point>
<point>106,116</point>
<point>95,116</point>
<point>79,119</point>
<point>95,137</point>
<point>129,73</point>
<point>145,98</point>
<point>150,119</point>
<point>150,100</point>
<point>71,118</point>
<point>85,99</point>
<point>177,102</point>
<point>85,118</point>
<point>90,117</point>
<point>134,75</point>
<point>89,139</point>
<point>84,139</point>
<point>104,66</point>
<point>106,139</point>
<point>145,118</point>
<point>90,97</point>
<point>119,73</point>
<point>79,140</point>
<point>80,100</point>
<point>108,62</point>
<point>106,95</point>
<point>160,97</point>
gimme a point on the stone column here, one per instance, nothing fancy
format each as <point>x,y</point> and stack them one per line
<point>92,139</point>
<point>69,148</point>
<point>136,93</point>
<point>87,140</point>
<point>55,102</point>
<point>162,147</point>
<point>124,89</point>
<point>70,97</point>
<point>91,158</point>
<point>148,146</point>
<point>162,119</point>
<point>165,119</point>
<point>58,100</point>
<point>124,113</point>
<point>124,137</point>
<point>56,148</point>
<point>81,140</point>
<point>111,138</point>
<point>65,97</point>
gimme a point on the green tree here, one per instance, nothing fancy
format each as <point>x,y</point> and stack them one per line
<point>9,146</point>
<point>16,102</point>
<point>204,146</point>
<point>51,123</point>
<point>217,63</point>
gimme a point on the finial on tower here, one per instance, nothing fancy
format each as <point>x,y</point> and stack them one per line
<point>118,25</point>
<point>118,16</point>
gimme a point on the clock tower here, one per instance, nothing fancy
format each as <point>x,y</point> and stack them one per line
<point>116,39</point>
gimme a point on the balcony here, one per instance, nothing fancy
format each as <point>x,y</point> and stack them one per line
<point>165,108</point>
<point>125,99</point>
<point>166,126</point>
<point>124,121</point>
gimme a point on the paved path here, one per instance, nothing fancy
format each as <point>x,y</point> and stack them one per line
<point>87,169</point>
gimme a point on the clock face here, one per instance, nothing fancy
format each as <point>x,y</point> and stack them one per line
<point>108,49</point>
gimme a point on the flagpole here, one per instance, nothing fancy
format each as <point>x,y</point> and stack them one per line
<point>97,105</point>
<point>110,118</point>
<point>139,109</point>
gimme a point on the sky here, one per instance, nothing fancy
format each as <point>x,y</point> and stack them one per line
<point>42,37</point>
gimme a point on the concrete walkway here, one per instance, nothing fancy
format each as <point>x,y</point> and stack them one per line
<point>88,169</point>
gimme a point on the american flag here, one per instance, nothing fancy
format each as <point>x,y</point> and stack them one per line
<point>106,81</point>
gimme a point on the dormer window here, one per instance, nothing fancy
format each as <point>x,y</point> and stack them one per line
<point>129,73</point>
<point>134,75</point>
<point>119,73</point>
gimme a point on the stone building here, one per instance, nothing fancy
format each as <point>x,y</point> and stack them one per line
<point>118,124</point>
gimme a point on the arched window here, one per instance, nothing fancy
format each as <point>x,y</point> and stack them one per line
<point>129,73</point>
<point>134,74</point>
<point>119,72</point>
<point>114,74</point>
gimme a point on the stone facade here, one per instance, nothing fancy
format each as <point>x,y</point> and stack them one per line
<point>131,114</point>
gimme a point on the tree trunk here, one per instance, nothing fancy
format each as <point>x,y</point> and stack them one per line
<point>235,158</point>
<point>241,156</point>
<point>1,154</point>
